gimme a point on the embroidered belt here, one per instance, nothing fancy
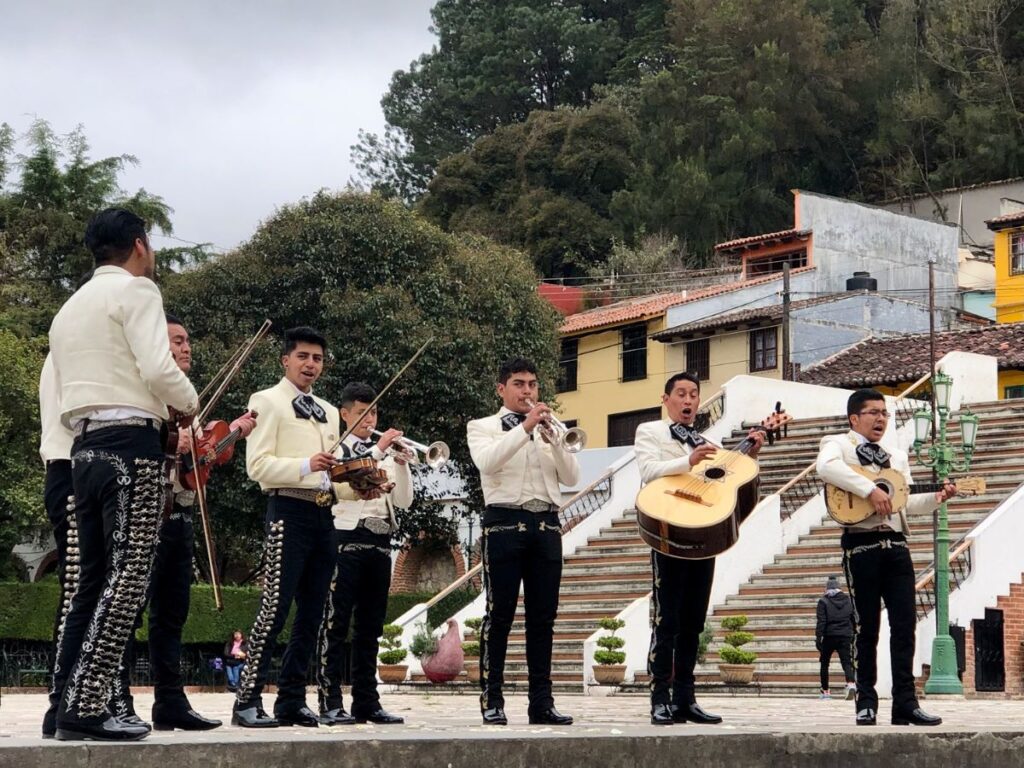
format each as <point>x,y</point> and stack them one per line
<point>315,495</point>
<point>533,505</point>
<point>88,425</point>
<point>883,544</point>
<point>374,524</point>
<point>185,498</point>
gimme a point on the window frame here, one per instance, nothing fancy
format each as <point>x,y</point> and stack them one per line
<point>637,369</point>
<point>763,333</point>
<point>567,364</point>
<point>703,373</point>
<point>1016,253</point>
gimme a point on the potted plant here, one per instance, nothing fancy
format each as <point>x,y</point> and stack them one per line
<point>737,667</point>
<point>610,669</point>
<point>391,668</point>
<point>471,649</point>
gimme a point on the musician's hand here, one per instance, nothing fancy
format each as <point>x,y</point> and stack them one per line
<point>948,492</point>
<point>757,436</point>
<point>881,502</point>
<point>369,494</point>
<point>387,440</point>
<point>701,452</point>
<point>246,423</point>
<point>184,441</point>
<point>320,462</point>
<point>539,413</point>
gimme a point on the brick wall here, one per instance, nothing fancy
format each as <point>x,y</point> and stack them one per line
<point>413,565</point>
<point>1012,606</point>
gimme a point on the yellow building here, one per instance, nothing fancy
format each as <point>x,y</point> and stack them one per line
<point>1009,262</point>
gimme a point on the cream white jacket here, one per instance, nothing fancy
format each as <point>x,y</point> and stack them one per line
<point>658,454</point>
<point>835,456</point>
<point>55,439</point>
<point>501,458</point>
<point>110,350</point>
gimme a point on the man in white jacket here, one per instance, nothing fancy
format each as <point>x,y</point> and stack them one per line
<point>116,378</point>
<point>876,557</point>
<point>362,572</point>
<point>522,542</point>
<point>681,587</point>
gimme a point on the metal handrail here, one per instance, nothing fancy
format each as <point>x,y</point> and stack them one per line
<point>929,574</point>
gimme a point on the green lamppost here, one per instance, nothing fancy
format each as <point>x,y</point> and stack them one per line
<point>943,678</point>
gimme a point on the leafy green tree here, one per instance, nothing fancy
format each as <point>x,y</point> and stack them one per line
<point>496,62</point>
<point>545,185</point>
<point>378,280</point>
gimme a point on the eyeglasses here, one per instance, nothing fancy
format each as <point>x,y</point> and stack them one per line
<point>874,413</point>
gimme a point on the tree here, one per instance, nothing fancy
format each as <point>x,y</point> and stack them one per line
<point>545,185</point>
<point>495,63</point>
<point>378,280</point>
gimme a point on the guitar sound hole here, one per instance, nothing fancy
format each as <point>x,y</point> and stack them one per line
<point>714,473</point>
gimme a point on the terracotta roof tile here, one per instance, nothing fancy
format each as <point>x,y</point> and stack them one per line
<point>786,234</point>
<point>1006,220</point>
<point>647,306</point>
<point>899,359</point>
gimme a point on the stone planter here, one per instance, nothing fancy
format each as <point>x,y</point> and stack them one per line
<point>736,674</point>
<point>392,673</point>
<point>609,674</point>
<point>472,668</point>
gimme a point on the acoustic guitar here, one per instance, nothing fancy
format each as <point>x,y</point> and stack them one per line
<point>847,508</point>
<point>697,514</point>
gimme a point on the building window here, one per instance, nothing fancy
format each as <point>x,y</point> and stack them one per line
<point>1017,253</point>
<point>622,426</point>
<point>634,353</point>
<point>764,344</point>
<point>568,365</point>
<point>767,265</point>
<point>698,358</point>
<point>1012,392</point>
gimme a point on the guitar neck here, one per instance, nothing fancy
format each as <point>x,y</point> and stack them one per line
<point>926,487</point>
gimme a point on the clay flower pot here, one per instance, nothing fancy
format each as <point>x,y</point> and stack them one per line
<point>392,673</point>
<point>609,674</point>
<point>736,674</point>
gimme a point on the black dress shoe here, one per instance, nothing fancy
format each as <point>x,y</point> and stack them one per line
<point>336,717</point>
<point>866,716</point>
<point>549,716</point>
<point>133,719</point>
<point>661,714</point>
<point>915,717</point>
<point>107,729</point>
<point>692,713</point>
<point>380,717</point>
<point>252,716</point>
<point>184,719</point>
<point>303,716</point>
<point>494,716</point>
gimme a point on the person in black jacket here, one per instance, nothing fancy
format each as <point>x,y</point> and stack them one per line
<point>834,634</point>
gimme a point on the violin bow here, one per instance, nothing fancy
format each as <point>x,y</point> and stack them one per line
<point>204,517</point>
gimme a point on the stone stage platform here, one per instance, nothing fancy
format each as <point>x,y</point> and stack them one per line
<point>444,731</point>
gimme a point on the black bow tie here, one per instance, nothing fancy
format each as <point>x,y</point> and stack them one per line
<point>511,420</point>
<point>686,435</point>
<point>306,407</point>
<point>872,453</point>
<point>361,447</point>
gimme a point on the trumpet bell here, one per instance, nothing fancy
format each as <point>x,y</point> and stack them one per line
<point>437,454</point>
<point>574,440</point>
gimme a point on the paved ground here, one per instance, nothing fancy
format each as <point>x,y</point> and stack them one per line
<point>432,716</point>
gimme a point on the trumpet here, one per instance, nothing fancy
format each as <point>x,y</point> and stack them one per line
<point>569,439</point>
<point>435,455</point>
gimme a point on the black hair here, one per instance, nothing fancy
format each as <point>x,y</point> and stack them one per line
<point>357,392</point>
<point>303,333</point>
<point>515,365</point>
<point>111,234</point>
<point>861,396</point>
<point>173,319</point>
<point>684,376</point>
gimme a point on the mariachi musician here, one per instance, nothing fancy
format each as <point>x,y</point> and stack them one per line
<point>522,543</point>
<point>682,588</point>
<point>288,454</point>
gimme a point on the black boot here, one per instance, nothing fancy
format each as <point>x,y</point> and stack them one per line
<point>179,714</point>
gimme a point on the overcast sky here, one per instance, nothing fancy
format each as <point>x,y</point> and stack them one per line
<point>232,107</point>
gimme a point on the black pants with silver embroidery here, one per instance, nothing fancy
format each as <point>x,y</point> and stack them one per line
<point>519,548</point>
<point>359,592</point>
<point>118,483</point>
<point>169,592</point>
<point>59,498</point>
<point>879,568</point>
<point>682,589</point>
<point>298,562</point>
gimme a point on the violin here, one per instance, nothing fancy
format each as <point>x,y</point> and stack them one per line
<point>362,473</point>
<point>215,448</point>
